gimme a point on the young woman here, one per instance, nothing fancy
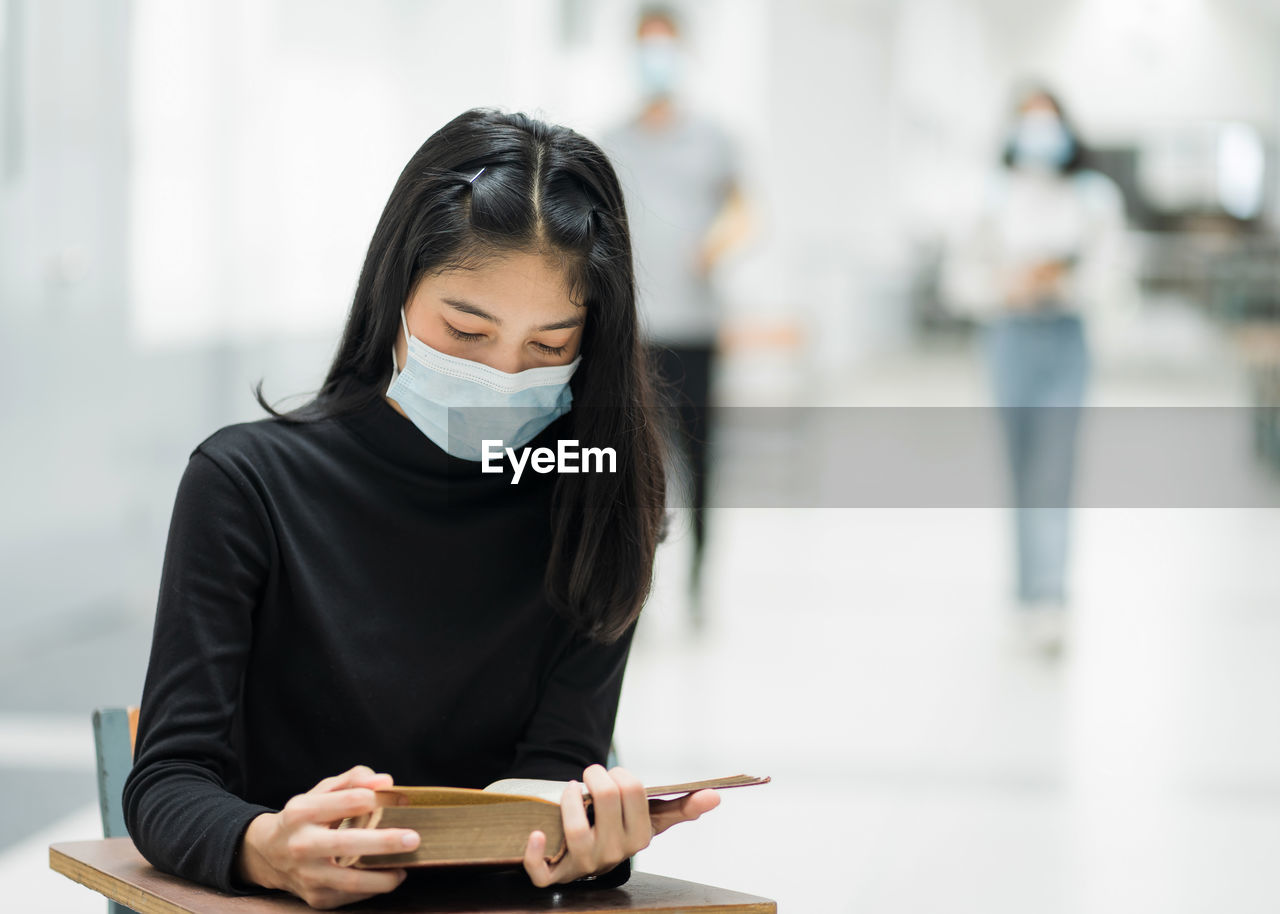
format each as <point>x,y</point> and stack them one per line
<point>349,596</point>
<point>1047,251</point>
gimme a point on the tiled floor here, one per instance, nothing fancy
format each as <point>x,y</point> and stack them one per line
<point>922,760</point>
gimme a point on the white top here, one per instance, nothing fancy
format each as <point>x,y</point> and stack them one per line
<point>1031,217</point>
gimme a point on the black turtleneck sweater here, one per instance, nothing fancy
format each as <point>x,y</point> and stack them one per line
<point>343,592</point>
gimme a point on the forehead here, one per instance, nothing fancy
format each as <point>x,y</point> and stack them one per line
<point>654,26</point>
<point>1039,103</point>
<point>520,287</point>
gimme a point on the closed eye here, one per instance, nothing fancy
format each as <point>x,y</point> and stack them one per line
<point>550,350</point>
<point>461,335</point>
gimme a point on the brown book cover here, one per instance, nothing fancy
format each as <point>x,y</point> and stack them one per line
<point>465,827</point>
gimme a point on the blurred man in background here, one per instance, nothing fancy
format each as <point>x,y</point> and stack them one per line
<point>680,173</point>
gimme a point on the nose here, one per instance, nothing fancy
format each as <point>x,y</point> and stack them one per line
<point>510,359</point>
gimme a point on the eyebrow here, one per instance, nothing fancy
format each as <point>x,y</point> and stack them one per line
<point>467,307</point>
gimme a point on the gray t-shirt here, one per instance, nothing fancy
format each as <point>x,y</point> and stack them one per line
<point>676,181</point>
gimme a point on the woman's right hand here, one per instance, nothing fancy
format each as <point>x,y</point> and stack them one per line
<point>294,849</point>
<point>1033,285</point>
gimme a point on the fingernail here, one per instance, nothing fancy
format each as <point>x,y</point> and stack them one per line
<point>409,840</point>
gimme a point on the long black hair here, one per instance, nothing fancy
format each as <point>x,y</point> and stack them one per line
<point>1079,158</point>
<point>544,188</point>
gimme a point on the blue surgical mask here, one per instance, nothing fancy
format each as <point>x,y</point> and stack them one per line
<point>458,403</point>
<point>658,60</point>
<point>1041,141</point>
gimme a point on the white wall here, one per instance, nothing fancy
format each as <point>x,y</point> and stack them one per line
<point>1126,64</point>
<point>267,134</point>
<point>63,184</point>
<point>1125,68</point>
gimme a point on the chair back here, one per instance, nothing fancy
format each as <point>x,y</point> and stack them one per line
<point>114,732</point>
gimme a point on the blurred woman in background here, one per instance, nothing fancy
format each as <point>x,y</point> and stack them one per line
<point>1044,254</point>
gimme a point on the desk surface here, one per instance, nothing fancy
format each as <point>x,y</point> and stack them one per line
<point>114,867</point>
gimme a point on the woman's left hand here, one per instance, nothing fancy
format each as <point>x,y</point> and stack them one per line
<point>623,825</point>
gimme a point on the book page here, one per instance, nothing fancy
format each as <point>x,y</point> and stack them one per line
<point>552,790</point>
<point>531,787</point>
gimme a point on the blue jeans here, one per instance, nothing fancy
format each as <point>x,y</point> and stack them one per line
<point>1039,364</point>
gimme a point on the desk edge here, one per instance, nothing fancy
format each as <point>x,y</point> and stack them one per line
<point>110,886</point>
<point>120,891</point>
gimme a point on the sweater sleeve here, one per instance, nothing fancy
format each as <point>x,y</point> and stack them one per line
<point>970,275</point>
<point>180,802</point>
<point>1104,284</point>
<point>572,726</point>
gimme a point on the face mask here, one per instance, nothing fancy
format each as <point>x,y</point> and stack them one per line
<point>1041,141</point>
<point>658,60</point>
<point>458,403</point>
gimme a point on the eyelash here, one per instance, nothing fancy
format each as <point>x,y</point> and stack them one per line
<point>472,337</point>
<point>459,335</point>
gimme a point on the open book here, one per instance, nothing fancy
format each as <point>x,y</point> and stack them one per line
<point>463,827</point>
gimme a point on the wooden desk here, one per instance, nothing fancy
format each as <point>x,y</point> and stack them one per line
<point>114,867</point>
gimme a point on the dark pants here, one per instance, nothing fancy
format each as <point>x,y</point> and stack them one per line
<point>686,379</point>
